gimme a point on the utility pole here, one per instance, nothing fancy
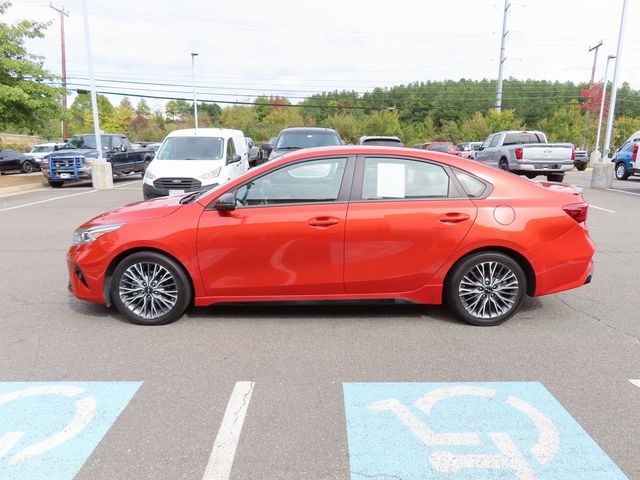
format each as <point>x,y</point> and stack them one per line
<point>602,176</point>
<point>503,57</point>
<point>604,95</point>
<point>63,14</point>
<point>193,78</point>
<point>595,59</point>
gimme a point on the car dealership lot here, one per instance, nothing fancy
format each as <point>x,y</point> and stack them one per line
<point>582,345</point>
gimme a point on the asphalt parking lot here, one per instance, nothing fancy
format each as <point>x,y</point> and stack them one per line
<point>312,368</point>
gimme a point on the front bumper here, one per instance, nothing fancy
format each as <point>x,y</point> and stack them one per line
<point>151,191</point>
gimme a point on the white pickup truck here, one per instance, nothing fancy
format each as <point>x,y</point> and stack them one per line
<point>527,153</point>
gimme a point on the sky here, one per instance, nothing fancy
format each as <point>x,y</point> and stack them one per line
<point>294,48</point>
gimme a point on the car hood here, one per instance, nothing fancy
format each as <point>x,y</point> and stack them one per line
<point>183,168</point>
<point>138,212</point>
<point>85,152</point>
<point>278,153</point>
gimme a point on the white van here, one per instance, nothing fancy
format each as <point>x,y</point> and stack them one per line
<point>191,160</point>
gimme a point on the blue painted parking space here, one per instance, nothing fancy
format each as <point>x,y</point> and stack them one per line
<point>48,430</point>
<point>470,431</point>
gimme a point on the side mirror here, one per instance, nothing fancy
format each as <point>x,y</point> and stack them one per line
<point>233,158</point>
<point>250,144</point>
<point>480,148</point>
<point>226,202</point>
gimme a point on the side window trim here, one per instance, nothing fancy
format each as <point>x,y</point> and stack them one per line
<point>343,192</point>
<point>456,191</point>
<point>485,193</point>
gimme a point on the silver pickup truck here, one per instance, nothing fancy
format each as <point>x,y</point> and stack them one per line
<point>527,153</point>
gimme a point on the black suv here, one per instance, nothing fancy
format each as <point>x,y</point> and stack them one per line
<point>295,138</point>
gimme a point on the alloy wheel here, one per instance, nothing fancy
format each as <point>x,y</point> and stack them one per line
<point>148,290</point>
<point>488,290</point>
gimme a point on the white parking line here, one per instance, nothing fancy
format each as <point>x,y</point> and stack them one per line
<point>622,191</point>
<point>600,208</point>
<point>636,383</point>
<point>224,447</point>
<point>127,183</point>
<point>47,200</point>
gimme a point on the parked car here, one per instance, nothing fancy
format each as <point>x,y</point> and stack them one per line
<point>41,150</point>
<point>527,153</point>
<point>581,159</point>
<point>266,147</point>
<point>296,138</point>
<point>72,162</point>
<point>191,160</point>
<point>11,160</point>
<point>340,223</point>
<point>381,140</point>
<point>446,147</point>
<point>253,152</point>
<point>469,149</point>
<point>626,160</point>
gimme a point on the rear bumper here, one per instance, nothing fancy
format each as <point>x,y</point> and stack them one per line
<point>565,263</point>
<point>543,167</point>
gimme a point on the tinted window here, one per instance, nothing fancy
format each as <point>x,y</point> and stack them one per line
<point>389,142</point>
<point>231,148</point>
<point>88,141</point>
<point>441,147</point>
<point>386,178</point>
<point>117,142</point>
<point>191,148</point>
<point>487,142</point>
<point>308,182</point>
<point>472,186</point>
<point>309,139</point>
<point>516,138</point>
<point>495,140</point>
<point>42,149</point>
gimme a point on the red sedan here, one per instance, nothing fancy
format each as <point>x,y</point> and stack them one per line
<point>446,147</point>
<point>341,223</point>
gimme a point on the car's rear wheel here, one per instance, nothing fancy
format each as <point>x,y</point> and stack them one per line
<point>555,177</point>
<point>149,288</point>
<point>621,171</point>
<point>504,165</point>
<point>486,289</point>
<point>27,167</point>
<point>581,167</point>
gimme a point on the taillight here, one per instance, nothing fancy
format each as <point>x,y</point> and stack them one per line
<point>634,155</point>
<point>573,154</point>
<point>518,153</point>
<point>577,211</point>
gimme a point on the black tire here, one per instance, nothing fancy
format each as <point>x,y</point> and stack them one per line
<point>56,183</point>
<point>147,161</point>
<point>555,177</point>
<point>506,301</point>
<point>622,173</point>
<point>26,167</point>
<point>503,165</point>
<point>581,167</point>
<point>123,284</point>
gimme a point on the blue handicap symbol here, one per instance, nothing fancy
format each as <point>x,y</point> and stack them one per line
<point>48,430</point>
<point>470,431</point>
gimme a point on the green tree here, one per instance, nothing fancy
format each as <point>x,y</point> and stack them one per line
<point>80,115</point>
<point>383,122</point>
<point>278,119</point>
<point>347,126</point>
<point>475,128</point>
<point>121,119</point>
<point>242,118</point>
<point>143,108</point>
<point>27,101</point>
<point>211,113</point>
<point>567,124</point>
<point>178,110</point>
<point>503,120</point>
<point>623,128</point>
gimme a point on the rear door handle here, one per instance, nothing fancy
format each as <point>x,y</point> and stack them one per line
<point>323,222</point>
<point>454,217</point>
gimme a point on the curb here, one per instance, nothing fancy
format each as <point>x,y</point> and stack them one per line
<point>26,187</point>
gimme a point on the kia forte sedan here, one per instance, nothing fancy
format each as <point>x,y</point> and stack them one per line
<point>338,223</point>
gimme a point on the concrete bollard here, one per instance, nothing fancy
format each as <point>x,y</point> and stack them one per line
<point>602,175</point>
<point>101,175</point>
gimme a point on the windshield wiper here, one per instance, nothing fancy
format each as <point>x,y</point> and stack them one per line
<point>289,148</point>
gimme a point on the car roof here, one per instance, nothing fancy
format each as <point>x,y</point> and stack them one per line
<point>381,137</point>
<point>206,132</point>
<point>45,145</point>
<point>307,129</point>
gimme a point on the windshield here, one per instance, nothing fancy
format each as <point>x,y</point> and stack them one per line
<point>41,149</point>
<point>442,147</point>
<point>87,141</point>
<point>191,148</point>
<point>294,140</point>
<point>389,142</point>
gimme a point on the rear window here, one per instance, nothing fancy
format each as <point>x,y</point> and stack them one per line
<point>442,147</point>
<point>472,186</point>
<point>388,142</point>
<point>191,148</point>
<point>516,138</point>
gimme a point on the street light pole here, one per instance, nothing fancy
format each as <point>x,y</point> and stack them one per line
<point>604,95</point>
<point>602,176</point>
<point>503,57</point>
<point>193,78</point>
<point>63,14</point>
<point>101,173</point>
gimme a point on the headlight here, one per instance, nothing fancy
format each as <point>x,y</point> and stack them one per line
<point>212,174</point>
<point>88,235</point>
<point>149,175</point>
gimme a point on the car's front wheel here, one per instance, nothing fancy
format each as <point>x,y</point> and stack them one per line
<point>486,289</point>
<point>149,288</point>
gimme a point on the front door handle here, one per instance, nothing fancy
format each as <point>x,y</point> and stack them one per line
<point>454,217</point>
<point>323,222</point>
